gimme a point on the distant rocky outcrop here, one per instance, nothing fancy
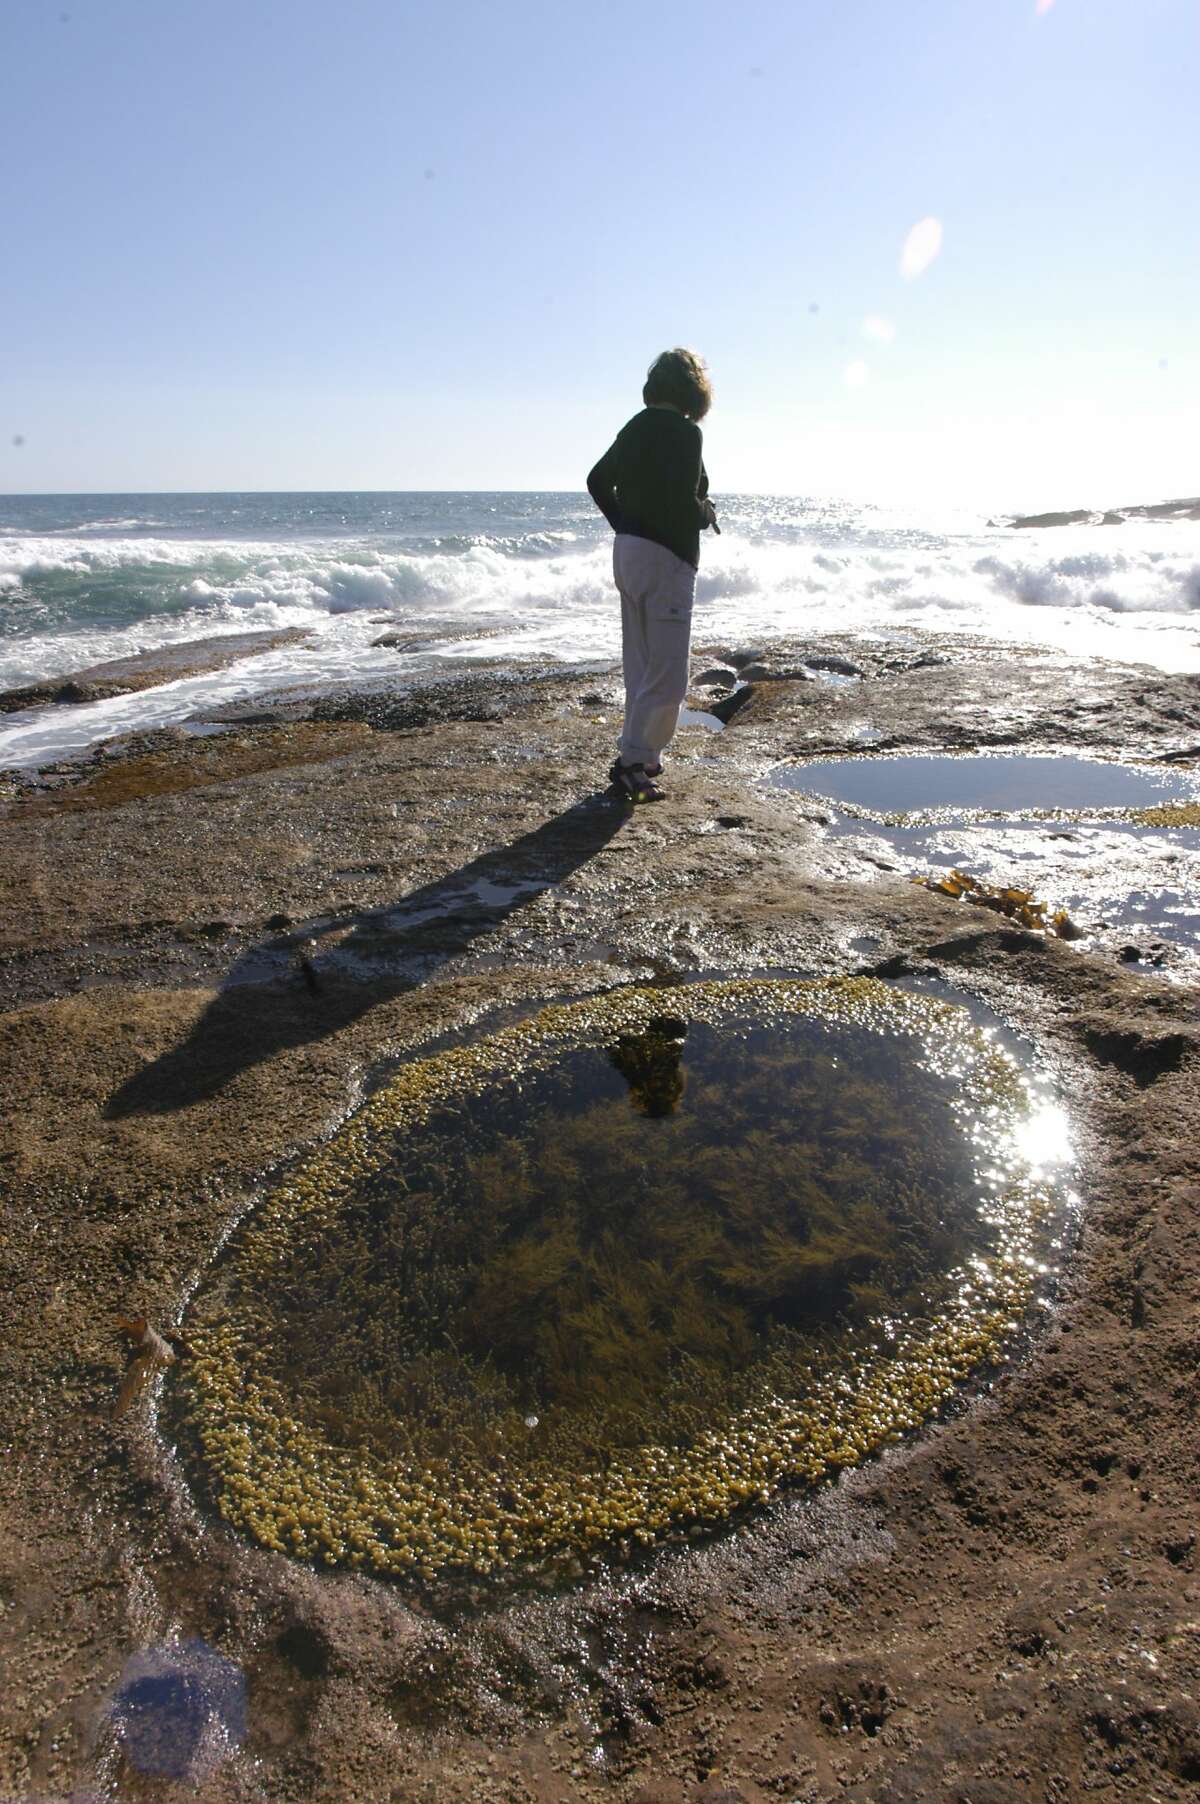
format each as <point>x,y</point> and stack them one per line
<point>1186,509</point>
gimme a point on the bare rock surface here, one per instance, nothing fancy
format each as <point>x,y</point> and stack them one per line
<point>1006,1609</point>
<point>147,669</point>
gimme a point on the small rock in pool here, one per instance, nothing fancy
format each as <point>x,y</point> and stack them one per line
<point>673,1027</point>
<point>729,705</point>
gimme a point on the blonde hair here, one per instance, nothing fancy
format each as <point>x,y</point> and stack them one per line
<point>680,377</point>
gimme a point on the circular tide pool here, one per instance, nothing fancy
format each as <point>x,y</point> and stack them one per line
<point>613,1274</point>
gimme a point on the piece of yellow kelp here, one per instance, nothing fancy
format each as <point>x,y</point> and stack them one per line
<point>1017,904</point>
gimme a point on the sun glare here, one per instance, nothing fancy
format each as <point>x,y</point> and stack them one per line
<point>921,247</point>
<point>857,374</point>
<point>878,328</point>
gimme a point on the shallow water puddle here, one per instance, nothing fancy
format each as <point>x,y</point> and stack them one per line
<point>483,893</point>
<point>612,1274</point>
<point>698,717</point>
<point>988,783</point>
<point>1141,882</point>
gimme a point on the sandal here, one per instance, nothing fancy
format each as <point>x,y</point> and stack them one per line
<point>636,783</point>
<point>616,767</point>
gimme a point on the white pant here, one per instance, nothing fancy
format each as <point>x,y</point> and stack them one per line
<point>657,590</point>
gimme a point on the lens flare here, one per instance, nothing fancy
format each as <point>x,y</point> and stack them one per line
<point>1043,6</point>
<point>921,247</point>
<point>880,329</point>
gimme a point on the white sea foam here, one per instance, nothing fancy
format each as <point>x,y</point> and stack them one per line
<point>1130,592</point>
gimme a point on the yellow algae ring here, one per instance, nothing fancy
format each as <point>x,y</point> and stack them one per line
<point>613,1273</point>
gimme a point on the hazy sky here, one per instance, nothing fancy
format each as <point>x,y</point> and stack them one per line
<point>387,245</point>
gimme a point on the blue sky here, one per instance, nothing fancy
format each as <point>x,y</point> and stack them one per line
<point>434,246</point>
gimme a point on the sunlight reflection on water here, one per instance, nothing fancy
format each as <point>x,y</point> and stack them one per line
<point>1043,1138</point>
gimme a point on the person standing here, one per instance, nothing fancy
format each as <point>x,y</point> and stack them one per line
<point>652,488</point>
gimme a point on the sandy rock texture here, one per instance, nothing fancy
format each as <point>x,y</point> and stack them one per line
<point>209,947</point>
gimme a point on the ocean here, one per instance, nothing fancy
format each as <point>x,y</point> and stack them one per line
<point>85,578</point>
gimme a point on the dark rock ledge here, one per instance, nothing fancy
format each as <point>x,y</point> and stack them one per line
<point>147,669</point>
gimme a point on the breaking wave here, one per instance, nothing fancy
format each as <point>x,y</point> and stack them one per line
<point>537,583</point>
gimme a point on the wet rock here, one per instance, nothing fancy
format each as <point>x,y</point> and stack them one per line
<point>716,677</point>
<point>1143,1057</point>
<point>831,662</point>
<point>671,1027</point>
<point>898,965</point>
<point>731,704</point>
<point>1187,508</point>
<point>754,673</point>
<point>1076,516</point>
<point>468,698</point>
<point>146,670</point>
<point>930,660</point>
<point>746,655</point>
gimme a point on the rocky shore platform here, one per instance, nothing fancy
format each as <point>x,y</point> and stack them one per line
<point>211,944</point>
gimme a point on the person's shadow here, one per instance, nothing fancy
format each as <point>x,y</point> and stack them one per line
<point>380,953</point>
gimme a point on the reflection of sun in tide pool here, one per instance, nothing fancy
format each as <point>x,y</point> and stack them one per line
<point>1043,1139</point>
<point>611,1275</point>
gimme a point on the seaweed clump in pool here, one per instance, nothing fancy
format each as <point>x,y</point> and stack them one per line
<point>612,1275</point>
